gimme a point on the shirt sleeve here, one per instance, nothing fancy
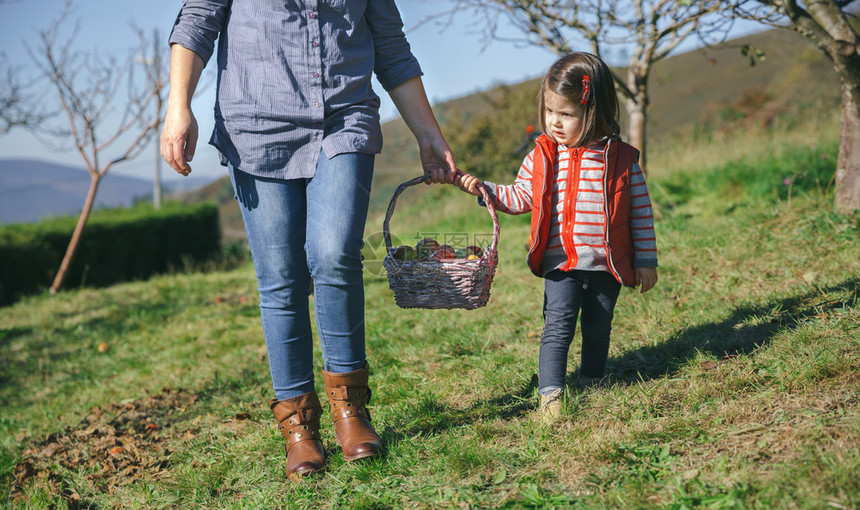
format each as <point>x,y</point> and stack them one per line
<point>394,62</point>
<point>514,198</point>
<point>198,24</point>
<point>642,221</point>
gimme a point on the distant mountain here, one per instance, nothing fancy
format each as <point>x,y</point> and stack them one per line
<point>31,190</point>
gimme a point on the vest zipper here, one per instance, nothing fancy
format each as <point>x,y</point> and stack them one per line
<point>570,219</point>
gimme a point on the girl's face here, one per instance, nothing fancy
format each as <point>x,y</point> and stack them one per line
<point>563,119</point>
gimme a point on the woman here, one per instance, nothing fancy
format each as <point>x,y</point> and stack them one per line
<point>297,125</point>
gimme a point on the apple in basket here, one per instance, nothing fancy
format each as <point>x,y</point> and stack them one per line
<point>476,251</point>
<point>470,253</point>
<point>425,247</point>
<point>444,252</point>
<point>404,252</point>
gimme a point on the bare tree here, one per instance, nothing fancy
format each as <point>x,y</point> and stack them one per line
<point>651,29</point>
<point>17,107</point>
<point>826,23</point>
<point>156,82</point>
<point>87,86</point>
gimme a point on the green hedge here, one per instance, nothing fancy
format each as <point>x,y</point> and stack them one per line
<point>116,245</point>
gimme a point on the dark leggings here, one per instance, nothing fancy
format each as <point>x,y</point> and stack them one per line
<point>565,294</point>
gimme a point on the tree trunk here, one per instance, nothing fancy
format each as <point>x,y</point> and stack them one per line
<point>847,192</point>
<point>636,131</point>
<point>637,110</point>
<point>826,24</point>
<point>76,235</point>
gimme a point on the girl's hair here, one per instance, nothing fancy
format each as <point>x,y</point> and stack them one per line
<point>565,78</point>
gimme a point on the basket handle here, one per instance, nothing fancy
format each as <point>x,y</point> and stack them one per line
<point>491,208</point>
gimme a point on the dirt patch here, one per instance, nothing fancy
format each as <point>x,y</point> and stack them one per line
<point>109,448</point>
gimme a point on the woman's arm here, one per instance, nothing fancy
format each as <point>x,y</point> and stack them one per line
<point>192,42</point>
<point>179,136</point>
<point>413,105</point>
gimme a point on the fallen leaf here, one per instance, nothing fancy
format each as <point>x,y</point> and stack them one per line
<point>754,427</point>
<point>690,474</point>
<point>51,450</point>
<point>499,476</point>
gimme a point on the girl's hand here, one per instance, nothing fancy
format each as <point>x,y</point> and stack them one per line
<point>646,277</point>
<point>467,183</point>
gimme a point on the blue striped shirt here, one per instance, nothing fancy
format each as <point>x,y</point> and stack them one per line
<point>294,77</point>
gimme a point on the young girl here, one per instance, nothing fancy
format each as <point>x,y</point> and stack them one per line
<point>592,228</point>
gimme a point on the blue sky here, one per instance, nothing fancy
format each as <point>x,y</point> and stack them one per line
<point>454,61</point>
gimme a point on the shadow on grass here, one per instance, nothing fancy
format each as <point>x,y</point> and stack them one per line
<point>745,330</point>
<point>67,349</point>
<point>432,416</point>
<point>7,335</point>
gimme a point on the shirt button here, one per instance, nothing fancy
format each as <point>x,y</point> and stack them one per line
<point>313,15</point>
<point>316,75</point>
<point>315,44</point>
<point>319,124</point>
<point>319,104</point>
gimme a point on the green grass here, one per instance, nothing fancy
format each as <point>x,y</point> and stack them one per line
<point>736,381</point>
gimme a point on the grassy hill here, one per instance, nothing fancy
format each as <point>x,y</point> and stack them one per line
<point>717,84</point>
<point>735,382</point>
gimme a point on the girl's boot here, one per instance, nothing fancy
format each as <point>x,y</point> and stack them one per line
<point>299,421</point>
<point>550,406</point>
<point>348,395</point>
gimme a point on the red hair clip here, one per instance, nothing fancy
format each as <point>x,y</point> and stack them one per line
<point>586,88</point>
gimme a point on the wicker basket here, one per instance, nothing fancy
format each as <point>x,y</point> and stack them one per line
<point>448,284</point>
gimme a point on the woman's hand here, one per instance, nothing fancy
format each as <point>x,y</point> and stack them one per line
<point>646,277</point>
<point>437,160</point>
<point>179,139</point>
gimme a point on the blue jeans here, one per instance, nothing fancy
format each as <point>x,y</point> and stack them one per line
<point>566,293</point>
<point>303,228</point>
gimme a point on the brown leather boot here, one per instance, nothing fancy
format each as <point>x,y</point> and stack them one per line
<point>348,395</point>
<point>299,422</point>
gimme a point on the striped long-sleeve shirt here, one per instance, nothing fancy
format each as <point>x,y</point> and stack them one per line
<point>578,207</point>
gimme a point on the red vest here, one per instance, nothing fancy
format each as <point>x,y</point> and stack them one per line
<point>619,158</point>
